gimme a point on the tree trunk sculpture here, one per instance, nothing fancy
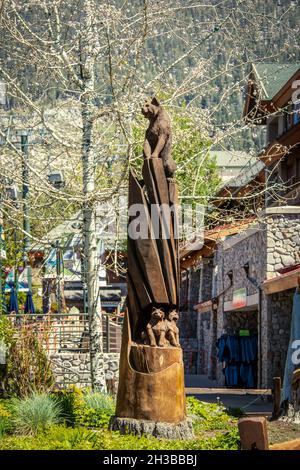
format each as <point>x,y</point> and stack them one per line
<point>151,385</point>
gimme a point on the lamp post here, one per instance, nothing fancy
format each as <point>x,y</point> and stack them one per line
<point>25,198</point>
<point>2,277</point>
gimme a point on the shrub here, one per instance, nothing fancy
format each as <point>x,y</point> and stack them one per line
<point>35,414</point>
<point>6,338</point>
<point>56,438</point>
<point>86,408</point>
<point>4,426</point>
<point>69,399</point>
<point>6,330</point>
<point>28,368</point>
<point>4,411</point>
<point>96,410</point>
<point>5,420</point>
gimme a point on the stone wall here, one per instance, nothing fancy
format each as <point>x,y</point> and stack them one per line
<point>205,340</point>
<point>232,255</point>
<point>283,241</point>
<point>279,322</point>
<point>250,249</point>
<point>235,321</point>
<point>74,368</point>
<point>271,245</point>
<point>190,354</point>
<point>194,276</point>
<point>187,323</point>
<point>206,280</point>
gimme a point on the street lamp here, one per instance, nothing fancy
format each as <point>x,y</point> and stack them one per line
<point>25,197</point>
<point>56,179</point>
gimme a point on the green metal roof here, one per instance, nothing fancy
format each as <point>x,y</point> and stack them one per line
<point>272,76</point>
<point>231,158</point>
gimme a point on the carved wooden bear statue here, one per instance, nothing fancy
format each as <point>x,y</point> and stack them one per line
<point>172,333</point>
<point>158,140</point>
<point>156,328</point>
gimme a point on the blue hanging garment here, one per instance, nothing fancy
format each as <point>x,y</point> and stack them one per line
<point>240,355</point>
<point>223,353</point>
<point>231,375</point>
<point>290,366</point>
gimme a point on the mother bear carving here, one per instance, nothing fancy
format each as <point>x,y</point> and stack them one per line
<point>158,139</point>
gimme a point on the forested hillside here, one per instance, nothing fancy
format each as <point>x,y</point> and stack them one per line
<point>76,72</point>
<point>198,51</point>
<point>228,37</point>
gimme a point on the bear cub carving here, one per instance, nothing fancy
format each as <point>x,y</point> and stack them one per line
<point>155,333</point>
<point>172,333</point>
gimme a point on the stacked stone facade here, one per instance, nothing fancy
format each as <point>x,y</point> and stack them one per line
<point>271,245</point>
<point>283,239</point>
<point>74,368</point>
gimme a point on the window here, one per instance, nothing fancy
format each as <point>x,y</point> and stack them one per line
<point>296,113</point>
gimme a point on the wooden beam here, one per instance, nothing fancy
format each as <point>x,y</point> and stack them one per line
<point>282,282</point>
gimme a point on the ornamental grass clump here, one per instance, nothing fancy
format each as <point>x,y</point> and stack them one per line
<point>99,401</point>
<point>95,410</point>
<point>35,414</point>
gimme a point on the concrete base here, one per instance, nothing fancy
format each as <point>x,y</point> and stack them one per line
<point>139,427</point>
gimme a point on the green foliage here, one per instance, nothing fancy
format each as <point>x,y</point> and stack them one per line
<point>69,399</point>
<point>6,340</point>
<point>35,414</point>
<point>5,426</point>
<point>208,416</point>
<point>86,408</point>
<point>228,441</point>
<point>196,175</point>
<point>97,410</point>
<point>56,438</point>
<point>5,420</point>
<point>62,438</point>
<point>4,411</point>
<point>28,368</point>
<point>99,401</point>
<point>6,330</point>
<point>83,408</point>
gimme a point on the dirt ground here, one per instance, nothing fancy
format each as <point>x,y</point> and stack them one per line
<point>280,431</point>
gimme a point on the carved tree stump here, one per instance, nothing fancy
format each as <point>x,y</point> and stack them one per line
<point>151,394</point>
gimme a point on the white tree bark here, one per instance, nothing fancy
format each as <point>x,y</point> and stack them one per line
<point>90,239</point>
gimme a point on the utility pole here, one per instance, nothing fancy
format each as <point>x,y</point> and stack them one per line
<point>90,241</point>
<point>58,276</point>
<point>25,198</point>
<point>2,276</point>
